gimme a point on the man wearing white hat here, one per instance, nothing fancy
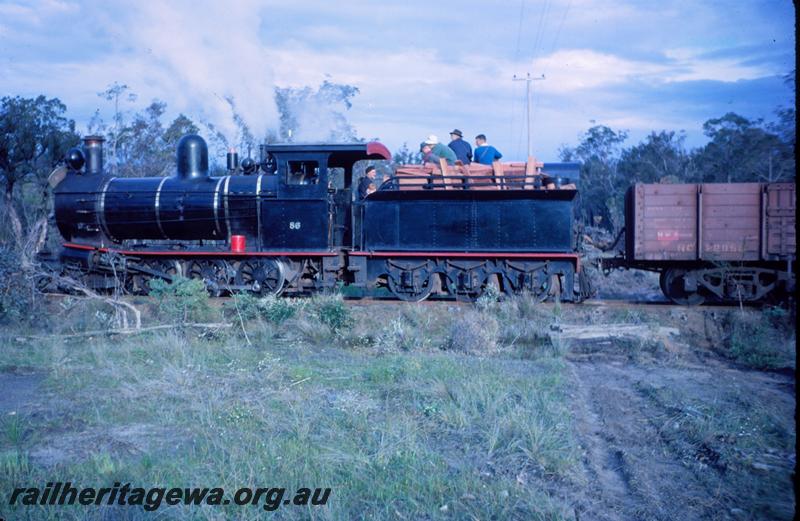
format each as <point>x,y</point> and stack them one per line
<point>432,151</point>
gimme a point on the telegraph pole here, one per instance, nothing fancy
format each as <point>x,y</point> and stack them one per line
<point>527,79</point>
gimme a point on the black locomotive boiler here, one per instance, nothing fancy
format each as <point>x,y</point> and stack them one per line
<point>291,223</point>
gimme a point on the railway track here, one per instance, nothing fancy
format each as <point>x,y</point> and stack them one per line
<point>439,302</point>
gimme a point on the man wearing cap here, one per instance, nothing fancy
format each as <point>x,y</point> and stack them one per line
<point>460,147</point>
<point>367,183</point>
<point>432,151</point>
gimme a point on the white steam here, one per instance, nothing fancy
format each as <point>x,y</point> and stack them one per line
<point>317,115</point>
<point>198,56</point>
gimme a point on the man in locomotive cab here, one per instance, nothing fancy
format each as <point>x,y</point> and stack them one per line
<point>367,183</point>
<point>303,172</point>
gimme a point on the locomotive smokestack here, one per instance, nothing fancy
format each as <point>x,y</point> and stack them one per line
<point>233,160</point>
<point>93,149</point>
<point>192,157</point>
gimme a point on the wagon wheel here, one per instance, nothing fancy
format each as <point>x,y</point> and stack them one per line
<point>138,283</point>
<point>466,292</point>
<point>536,283</point>
<point>264,276</point>
<point>671,281</point>
<point>213,272</point>
<point>420,288</point>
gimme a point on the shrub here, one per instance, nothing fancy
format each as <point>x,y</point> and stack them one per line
<point>17,294</point>
<point>405,336</point>
<point>331,311</point>
<point>488,300</point>
<point>183,300</point>
<point>244,305</point>
<point>764,341</point>
<point>473,332</point>
<point>278,310</point>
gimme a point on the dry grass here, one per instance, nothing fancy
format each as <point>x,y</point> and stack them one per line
<point>396,426</point>
<point>406,411</point>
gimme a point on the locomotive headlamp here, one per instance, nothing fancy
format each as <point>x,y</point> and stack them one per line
<point>75,159</point>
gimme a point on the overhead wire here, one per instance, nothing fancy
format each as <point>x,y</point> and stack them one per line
<point>538,43</point>
<point>512,131</point>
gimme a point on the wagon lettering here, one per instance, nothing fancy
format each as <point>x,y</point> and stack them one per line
<point>724,247</point>
<point>667,235</point>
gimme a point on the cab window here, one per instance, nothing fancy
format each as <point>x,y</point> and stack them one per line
<point>302,173</point>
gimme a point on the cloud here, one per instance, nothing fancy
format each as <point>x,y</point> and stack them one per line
<point>192,58</point>
<point>632,64</point>
<point>199,69</point>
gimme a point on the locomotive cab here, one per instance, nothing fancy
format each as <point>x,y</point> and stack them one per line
<point>313,207</point>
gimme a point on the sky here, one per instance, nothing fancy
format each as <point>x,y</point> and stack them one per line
<point>421,67</point>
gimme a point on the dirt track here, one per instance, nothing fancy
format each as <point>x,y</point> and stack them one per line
<point>641,463</point>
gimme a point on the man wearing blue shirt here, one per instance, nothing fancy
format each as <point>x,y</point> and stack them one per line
<point>460,147</point>
<point>485,154</point>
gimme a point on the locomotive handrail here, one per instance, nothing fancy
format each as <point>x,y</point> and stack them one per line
<point>466,182</point>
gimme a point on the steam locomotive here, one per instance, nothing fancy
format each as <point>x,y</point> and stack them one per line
<point>292,223</point>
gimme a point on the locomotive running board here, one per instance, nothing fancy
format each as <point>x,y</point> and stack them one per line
<point>472,255</point>
<point>186,253</point>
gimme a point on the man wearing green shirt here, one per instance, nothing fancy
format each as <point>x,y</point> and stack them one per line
<point>432,151</point>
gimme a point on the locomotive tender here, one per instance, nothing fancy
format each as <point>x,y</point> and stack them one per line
<point>290,223</point>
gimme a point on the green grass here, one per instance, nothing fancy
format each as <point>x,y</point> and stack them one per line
<point>763,340</point>
<point>736,441</point>
<point>405,411</point>
<point>398,427</point>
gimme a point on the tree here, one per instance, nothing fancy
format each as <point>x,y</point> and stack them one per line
<point>146,148</point>
<point>140,151</point>
<point>404,156</point>
<point>785,127</point>
<point>741,150</point>
<point>114,135</point>
<point>34,135</point>
<point>660,156</point>
<point>600,200</point>
<point>179,127</point>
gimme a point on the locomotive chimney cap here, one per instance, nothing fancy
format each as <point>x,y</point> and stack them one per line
<point>192,157</point>
<point>93,153</point>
